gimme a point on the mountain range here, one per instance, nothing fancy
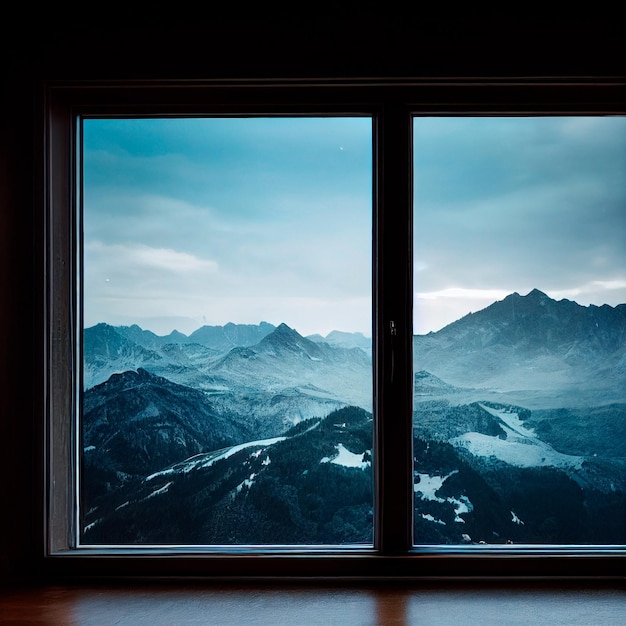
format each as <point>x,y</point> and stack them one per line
<point>519,426</point>
<point>536,349</point>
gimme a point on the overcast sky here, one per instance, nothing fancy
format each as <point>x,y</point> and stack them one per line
<point>192,222</point>
<point>512,204</point>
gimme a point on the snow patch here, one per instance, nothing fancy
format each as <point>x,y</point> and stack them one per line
<point>346,458</point>
<point>248,482</point>
<point>518,453</point>
<point>516,520</point>
<point>428,485</point>
<point>204,460</point>
<point>90,526</point>
<point>242,446</point>
<point>160,491</point>
<point>461,505</point>
<point>513,425</point>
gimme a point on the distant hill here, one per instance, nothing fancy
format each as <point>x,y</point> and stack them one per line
<point>231,335</point>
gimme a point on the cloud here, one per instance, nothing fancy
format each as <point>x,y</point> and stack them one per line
<point>611,292</point>
<point>139,257</point>
<point>139,280</point>
<point>462,293</point>
<point>162,289</point>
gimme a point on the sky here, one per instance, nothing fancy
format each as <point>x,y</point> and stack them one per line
<point>189,222</point>
<point>505,205</point>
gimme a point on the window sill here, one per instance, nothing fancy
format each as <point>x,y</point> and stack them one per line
<point>510,563</point>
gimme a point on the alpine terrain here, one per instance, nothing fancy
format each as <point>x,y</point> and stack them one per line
<point>254,434</point>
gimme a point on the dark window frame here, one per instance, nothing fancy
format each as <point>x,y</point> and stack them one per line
<point>392,104</point>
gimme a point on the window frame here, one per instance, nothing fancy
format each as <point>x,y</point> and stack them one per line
<point>392,105</point>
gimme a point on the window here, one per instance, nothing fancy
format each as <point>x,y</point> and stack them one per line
<point>391,108</point>
<point>227,337</point>
<point>519,395</point>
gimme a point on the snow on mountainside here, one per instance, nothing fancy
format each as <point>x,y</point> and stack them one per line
<point>286,359</point>
<point>531,342</point>
<point>262,491</point>
<point>520,446</point>
<point>280,362</point>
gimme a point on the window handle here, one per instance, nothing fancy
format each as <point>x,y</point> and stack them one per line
<point>393,331</point>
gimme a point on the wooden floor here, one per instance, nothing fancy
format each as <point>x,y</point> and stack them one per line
<point>458,605</point>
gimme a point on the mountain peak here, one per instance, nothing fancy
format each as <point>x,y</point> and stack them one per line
<point>283,333</point>
<point>535,293</point>
<point>286,338</point>
<point>536,325</point>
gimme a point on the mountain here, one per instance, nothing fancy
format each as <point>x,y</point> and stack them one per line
<point>111,350</point>
<point>137,422</point>
<point>519,432</point>
<point>263,390</point>
<point>284,358</point>
<point>342,339</point>
<point>146,338</point>
<point>530,343</point>
<point>537,324</point>
<point>218,338</point>
<point>427,384</point>
<point>527,395</point>
<point>313,485</point>
<point>280,360</point>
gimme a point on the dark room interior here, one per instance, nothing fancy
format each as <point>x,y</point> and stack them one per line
<point>505,65</point>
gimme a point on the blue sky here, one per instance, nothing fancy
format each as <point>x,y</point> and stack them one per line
<point>190,222</point>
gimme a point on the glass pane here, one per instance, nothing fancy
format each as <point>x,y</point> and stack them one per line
<point>520,330</point>
<point>227,310</point>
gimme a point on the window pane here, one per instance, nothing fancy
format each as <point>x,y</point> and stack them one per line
<point>520,322</point>
<point>227,369</point>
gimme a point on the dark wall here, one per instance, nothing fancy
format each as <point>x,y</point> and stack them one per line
<point>365,44</point>
<point>304,46</point>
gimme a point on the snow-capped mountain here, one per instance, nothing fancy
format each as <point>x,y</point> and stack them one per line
<point>532,343</point>
<point>286,359</point>
<point>282,364</point>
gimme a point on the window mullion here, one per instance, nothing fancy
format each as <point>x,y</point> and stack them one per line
<point>393,283</point>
